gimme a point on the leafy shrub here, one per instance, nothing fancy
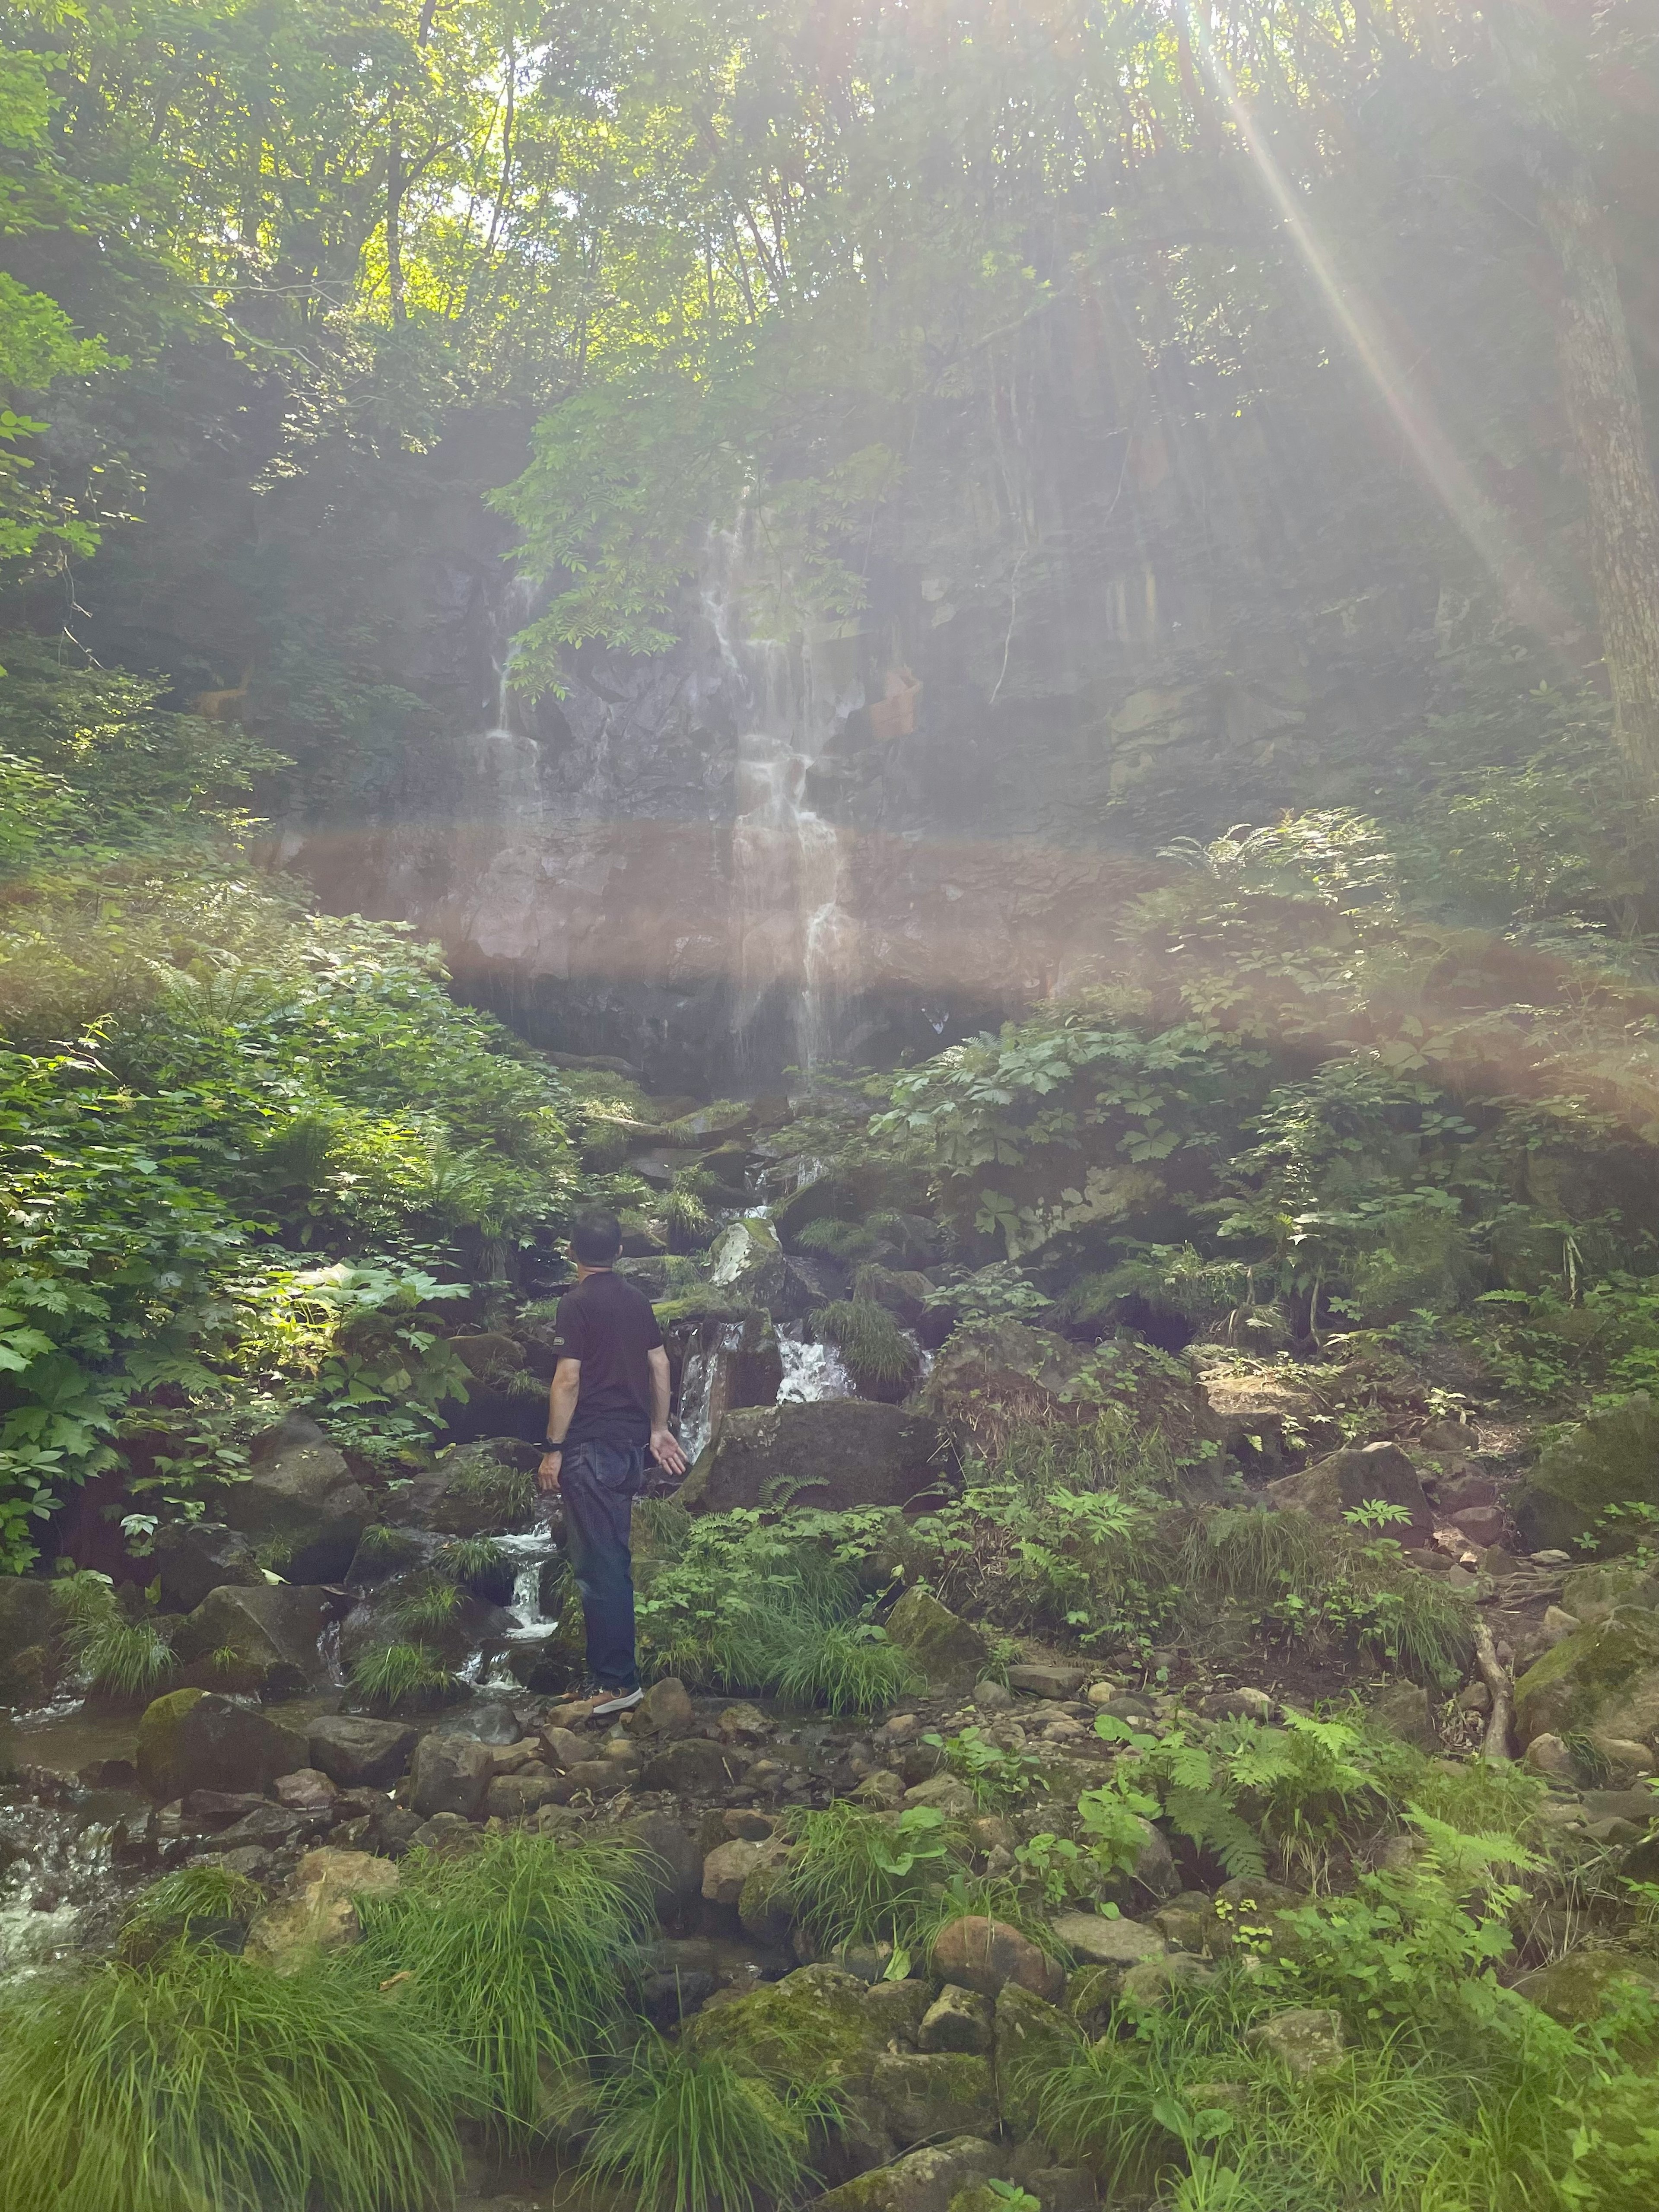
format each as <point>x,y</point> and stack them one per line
<point>857,1876</point>
<point>206,2080</point>
<point>682,2133</point>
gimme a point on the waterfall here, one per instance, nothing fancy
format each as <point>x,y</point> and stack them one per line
<point>791,927</point>
<point>699,1382</point>
<point>810,1371</point>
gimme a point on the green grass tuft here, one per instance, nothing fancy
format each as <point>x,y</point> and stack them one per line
<point>859,1877</point>
<point>1252,1555</point>
<point>515,1953</point>
<point>193,1893</point>
<point>207,2084</point>
<point>874,1347</point>
<point>119,1657</point>
<point>428,1608</point>
<point>477,1563</point>
<point>681,2133</point>
<point>401,1677</point>
<point>848,1666</point>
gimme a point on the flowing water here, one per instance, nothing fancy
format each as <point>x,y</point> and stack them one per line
<point>810,1371</point>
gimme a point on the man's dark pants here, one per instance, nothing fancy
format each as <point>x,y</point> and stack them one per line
<point>598,1483</point>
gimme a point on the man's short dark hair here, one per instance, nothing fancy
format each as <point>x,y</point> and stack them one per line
<point>598,1238</point>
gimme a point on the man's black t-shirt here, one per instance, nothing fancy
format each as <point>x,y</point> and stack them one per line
<point>608,1325</point>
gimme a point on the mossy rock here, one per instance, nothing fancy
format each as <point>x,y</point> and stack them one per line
<point>947,1649</point>
<point>1604,1676</point>
<point>1575,1990</point>
<point>27,1619</point>
<point>1589,1594</point>
<point>924,2095</point>
<point>813,2024</point>
<point>1611,1458</point>
<point>198,1739</point>
<point>1034,2039</point>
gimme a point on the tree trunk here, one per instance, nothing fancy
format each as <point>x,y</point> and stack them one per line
<point>1604,410</point>
<point>394,218</point>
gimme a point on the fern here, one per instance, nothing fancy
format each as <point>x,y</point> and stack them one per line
<point>1214,1824</point>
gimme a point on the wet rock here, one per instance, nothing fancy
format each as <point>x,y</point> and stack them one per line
<point>359,1754</point>
<point>1610,1458</point>
<point>898,2009</point>
<point>393,1829</point>
<point>742,1723</point>
<point>674,1863</point>
<point>445,1834</point>
<point>317,1910</point>
<point>1032,2038</point>
<point>1605,1676</point>
<point>922,2181</point>
<point>920,2096</point>
<point>1099,1941</point>
<point>596,1778</point>
<point>728,1867</point>
<point>207,1811</point>
<point>198,1739</point>
<point>27,1619</point>
<point>813,2022</point>
<point>195,1557</point>
<point>945,1648</point>
<point>267,1827</point>
<point>1048,1681</point>
<point>1307,2041</point>
<point>984,1954</point>
<point>300,1504</point>
<point>1348,1480</point>
<point>449,1774</point>
<point>307,1790</point>
<point>958,2019</point>
<point>693,1767</point>
<point>275,1629</point>
<point>836,1453</point>
<point>1575,1990</point>
<point>516,1797</point>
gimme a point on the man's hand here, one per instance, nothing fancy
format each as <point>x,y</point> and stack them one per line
<point>547,1474</point>
<point>665,1451</point>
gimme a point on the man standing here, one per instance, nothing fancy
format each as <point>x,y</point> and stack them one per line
<point>609,1400</point>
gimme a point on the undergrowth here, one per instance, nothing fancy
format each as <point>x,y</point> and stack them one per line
<point>680,2132</point>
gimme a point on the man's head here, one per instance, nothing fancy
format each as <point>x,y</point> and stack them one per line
<point>597,1239</point>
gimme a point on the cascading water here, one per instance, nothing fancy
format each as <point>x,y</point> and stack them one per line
<point>810,1371</point>
<point>530,1554</point>
<point>700,1381</point>
<point>792,931</point>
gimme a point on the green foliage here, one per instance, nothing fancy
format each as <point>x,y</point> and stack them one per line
<point>997,1778</point>
<point>682,2133</point>
<point>873,1345</point>
<point>120,1656</point>
<point>206,2080</point>
<point>400,1677</point>
<point>770,1606</point>
<point>191,1894</point>
<point>857,1876</point>
<point>514,1954</point>
<point>478,1564</point>
<point>428,1608</point>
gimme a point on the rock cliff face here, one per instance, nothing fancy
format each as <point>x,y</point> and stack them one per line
<point>736,856</point>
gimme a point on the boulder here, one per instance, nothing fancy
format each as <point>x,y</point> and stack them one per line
<point>922,2181</point>
<point>1099,1941</point>
<point>1589,1594</point>
<point>765,1907</point>
<point>1306,2040</point>
<point>359,1754</point>
<point>317,1909</point>
<point>946,1648</point>
<point>1610,1458</point>
<point>195,1557</point>
<point>920,2096</point>
<point>958,2019</point>
<point>1603,1676</point>
<point>1033,2038</point>
<point>666,1711</point>
<point>1153,1873</point>
<point>942,1793</point>
<point>516,1797</point>
<point>449,1774</point>
<point>1575,1989</point>
<point>834,1453</point>
<point>198,1740</point>
<point>1151,1983</point>
<point>728,1867</point>
<point>985,1954</point>
<point>1403,1710</point>
<point>673,1860</point>
<point>813,2023</point>
<point>1345,1481</point>
<point>477,1489</point>
<point>1483,1525</point>
<point>300,1505</point>
<point>274,1628</point>
<point>307,1790</point>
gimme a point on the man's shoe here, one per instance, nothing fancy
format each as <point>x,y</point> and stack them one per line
<point>610,1703</point>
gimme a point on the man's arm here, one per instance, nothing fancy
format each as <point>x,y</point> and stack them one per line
<point>561,1409</point>
<point>665,1444</point>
